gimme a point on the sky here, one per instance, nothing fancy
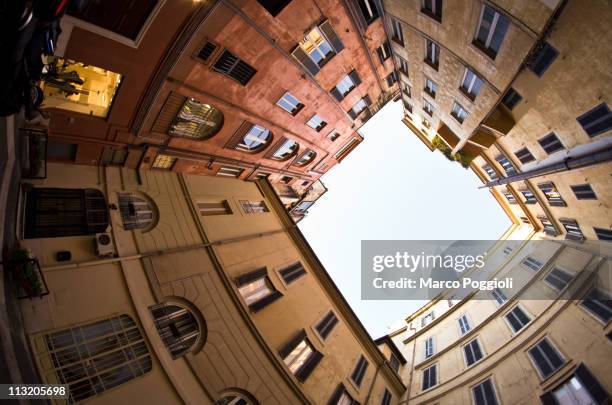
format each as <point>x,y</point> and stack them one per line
<point>392,187</point>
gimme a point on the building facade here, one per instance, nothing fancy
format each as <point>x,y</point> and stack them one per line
<point>248,89</point>
<point>172,288</point>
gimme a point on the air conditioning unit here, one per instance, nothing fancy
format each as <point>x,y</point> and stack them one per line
<point>104,245</point>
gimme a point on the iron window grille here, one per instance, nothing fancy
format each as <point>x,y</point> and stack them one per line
<point>234,68</point>
<point>177,327</point>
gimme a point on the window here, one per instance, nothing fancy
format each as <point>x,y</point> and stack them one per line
<point>498,295</point>
<point>407,90</point>
<point>397,34</point>
<point>394,362</point>
<point>529,197</point>
<point>603,234</point>
<point>236,398</point>
<point>459,113</point>
<point>490,171</point>
<point>471,84</point>
<point>302,207</point>
<point>599,304</point>
<point>580,389</point>
<point>274,6</point>
<point>253,207</point>
<point>326,325</point>
<point>256,289</point>
<point>507,250</point>
<point>359,107</point>
<point>430,377</point>
<point>197,121</point>
<point>359,371</point>
<point>524,156</point>
<point>123,18</point>
<point>66,152</point>
<point>292,272</point>
<point>386,399</point>
<point>491,31</point>
<point>214,208</point>
<point>136,212</point>
<point>427,319</point>
<point>316,123</point>
<point>391,79</point>
<point>549,228</point>
<point>318,47</point>
<point>384,52</point>
<point>255,139</point>
<point>403,65</point>
<point>110,155</point>
<point>341,397</point>
<point>506,165</point>
<point>484,393</point>
<point>177,327</point>
<point>510,197</point>
<point>551,143</point>
<point>300,356</point>
<point>584,192</point>
<point>286,179</point>
<point>333,135</point>
<point>346,85</point>
<point>428,107</point>
<point>368,10</point>
<point>464,324</point>
<point>432,53</point>
<point>234,68</point>
<point>306,157</point>
<point>429,347</point>
<point>58,212</point>
<point>93,357</point>
<point>226,171</point>
<point>552,195</point>
<point>290,103</point>
<point>597,120</point>
<point>431,87</point>
<point>546,358</point>
<point>207,51</point>
<point>287,149</point>
<point>408,106</point>
<point>511,99</point>
<point>92,94</point>
<point>571,227</point>
<point>517,319</point>
<point>432,8</point>
<point>472,352</point>
<point>532,263</point>
<point>543,58</point>
<point>558,279</point>
<point>426,124</point>
<point>163,162</point>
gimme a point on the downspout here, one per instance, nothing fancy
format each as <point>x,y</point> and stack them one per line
<point>409,387</point>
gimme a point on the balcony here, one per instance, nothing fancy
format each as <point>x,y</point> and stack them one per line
<point>500,121</point>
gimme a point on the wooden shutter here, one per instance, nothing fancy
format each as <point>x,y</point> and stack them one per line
<point>596,390</point>
<point>355,77</point>
<point>292,343</point>
<point>336,93</point>
<point>265,301</point>
<point>308,64</point>
<point>309,366</point>
<point>331,36</point>
<point>251,276</point>
<point>238,136</point>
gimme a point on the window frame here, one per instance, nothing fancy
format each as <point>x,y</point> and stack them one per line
<point>571,275</point>
<point>296,109</point>
<point>526,313</point>
<point>493,388</point>
<point>467,322</point>
<point>555,349</point>
<point>435,378</point>
<point>485,46</point>
<point>467,90</point>
<point>588,310</point>
<point>483,354</point>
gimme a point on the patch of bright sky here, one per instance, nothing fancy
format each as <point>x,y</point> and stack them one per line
<point>392,187</point>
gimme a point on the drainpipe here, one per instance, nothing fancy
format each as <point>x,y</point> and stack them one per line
<point>579,157</point>
<point>409,387</point>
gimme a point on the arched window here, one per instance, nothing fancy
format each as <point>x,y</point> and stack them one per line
<point>286,150</point>
<point>136,212</point>
<point>197,121</point>
<point>177,326</point>
<point>306,158</point>
<point>236,397</point>
<point>255,139</point>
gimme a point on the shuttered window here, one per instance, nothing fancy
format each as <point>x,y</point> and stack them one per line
<point>499,296</point>
<point>549,227</point>
<point>430,377</point>
<point>484,393</point>
<point>177,327</point>
<point>214,208</point>
<point>256,289</point>
<point>529,197</point>
<point>532,263</point>
<point>136,212</point>
<point>511,98</point>
<point>596,121</point>
<point>543,58</point>
<point>524,155</point>
<point>490,171</point>
<point>233,67</point>
<point>346,85</point>
<point>292,272</point>
<point>58,212</point>
<point>572,228</point>
<point>464,325</point>
<point>581,388</point>
<point>584,192</point>
<point>546,358</point>
<point>429,347</point>
<point>506,165</point>
<point>552,194</point>
<point>94,357</point>
<point>551,143</point>
<point>318,47</point>
<point>473,352</point>
<point>341,396</point>
<point>558,279</point>
<point>517,319</point>
<point>300,356</point>
<point>207,51</point>
<point>326,325</point>
<point>359,371</point>
<point>598,303</point>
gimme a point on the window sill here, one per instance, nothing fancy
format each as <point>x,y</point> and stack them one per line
<point>457,119</point>
<point>398,41</point>
<point>467,95</point>
<point>482,48</point>
<point>429,93</point>
<point>431,64</point>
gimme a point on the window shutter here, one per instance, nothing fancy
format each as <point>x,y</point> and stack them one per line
<point>596,390</point>
<point>238,135</point>
<point>355,78</point>
<point>308,64</point>
<point>309,366</point>
<point>265,301</point>
<point>292,343</point>
<point>331,36</point>
<point>251,276</point>
<point>336,93</point>
<point>333,400</point>
<point>367,100</point>
<point>352,114</point>
<point>362,24</point>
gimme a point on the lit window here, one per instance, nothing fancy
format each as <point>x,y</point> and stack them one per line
<point>286,150</point>
<point>491,30</point>
<point>316,46</point>
<point>255,139</point>
<point>177,326</point>
<point>196,120</point>
<point>459,113</point>
<point>164,162</point>
<point>471,84</point>
<point>289,103</point>
<point>316,123</point>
